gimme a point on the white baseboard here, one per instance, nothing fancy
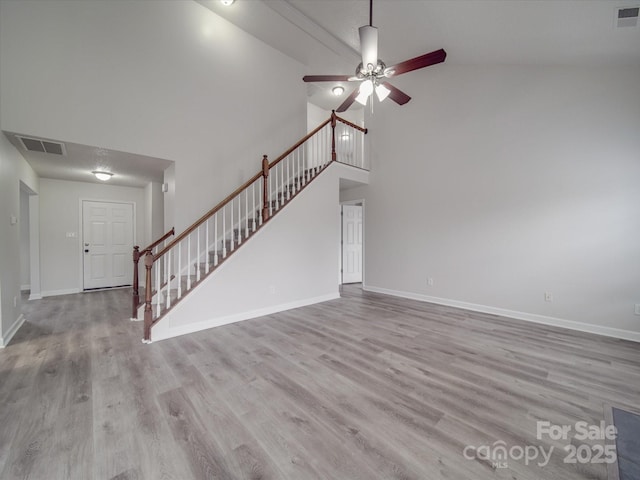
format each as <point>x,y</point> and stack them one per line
<point>238,317</point>
<point>529,317</point>
<point>5,339</point>
<point>35,296</point>
<point>53,293</point>
<point>25,287</point>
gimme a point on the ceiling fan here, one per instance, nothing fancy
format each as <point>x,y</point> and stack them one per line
<point>372,72</point>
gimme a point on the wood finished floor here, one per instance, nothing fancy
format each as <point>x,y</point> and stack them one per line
<point>364,387</point>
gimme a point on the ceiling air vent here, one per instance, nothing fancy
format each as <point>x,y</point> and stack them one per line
<point>43,146</point>
<point>627,16</point>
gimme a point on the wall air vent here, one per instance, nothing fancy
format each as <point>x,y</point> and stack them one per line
<point>627,16</point>
<point>43,146</point>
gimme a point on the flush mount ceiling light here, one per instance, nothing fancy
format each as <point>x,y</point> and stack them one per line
<point>101,175</point>
<point>226,3</point>
<point>337,91</point>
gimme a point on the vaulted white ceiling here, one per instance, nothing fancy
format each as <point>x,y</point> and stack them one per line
<point>323,35</point>
<point>473,32</point>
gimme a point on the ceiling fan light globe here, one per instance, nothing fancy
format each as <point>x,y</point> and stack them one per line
<point>382,92</point>
<point>337,90</point>
<point>366,88</point>
<point>362,99</point>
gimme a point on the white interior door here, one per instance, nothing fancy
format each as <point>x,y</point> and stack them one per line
<point>107,231</point>
<point>351,243</point>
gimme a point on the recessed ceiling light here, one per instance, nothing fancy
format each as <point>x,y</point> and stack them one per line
<point>226,3</point>
<point>337,91</point>
<point>102,175</point>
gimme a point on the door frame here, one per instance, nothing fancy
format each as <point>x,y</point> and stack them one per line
<point>81,233</point>
<point>360,202</point>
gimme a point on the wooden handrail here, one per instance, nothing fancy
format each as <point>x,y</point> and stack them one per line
<point>309,135</point>
<point>352,125</point>
<point>206,216</point>
<point>159,241</point>
<point>236,192</point>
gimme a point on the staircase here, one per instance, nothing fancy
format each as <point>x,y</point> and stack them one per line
<point>173,268</point>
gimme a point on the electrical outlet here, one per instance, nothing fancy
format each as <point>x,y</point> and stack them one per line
<point>272,289</point>
<point>548,297</point>
<point>637,309</point>
<point>430,281</point>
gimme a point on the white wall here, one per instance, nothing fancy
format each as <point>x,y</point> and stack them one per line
<point>170,197</point>
<point>317,115</point>
<point>166,79</point>
<point>503,183</point>
<point>154,218</point>
<point>13,170</point>
<point>292,261</point>
<point>60,213</point>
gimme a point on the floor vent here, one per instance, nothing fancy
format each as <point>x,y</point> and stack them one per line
<point>43,146</point>
<point>627,16</point>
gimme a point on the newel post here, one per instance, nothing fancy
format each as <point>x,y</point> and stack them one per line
<point>136,293</point>
<point>265,189</point>
<point>148,313</point>
<point>333,136</point>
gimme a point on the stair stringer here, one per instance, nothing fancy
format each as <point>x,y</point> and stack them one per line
<point>291,261</point>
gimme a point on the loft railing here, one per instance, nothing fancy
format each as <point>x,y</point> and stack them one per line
<point>181,264</point>
<point>137,254</point>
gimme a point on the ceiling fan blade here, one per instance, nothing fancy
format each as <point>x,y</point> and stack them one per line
<point>422,61</point>
<point>369,46</point>
<point>396,95</point>
<point>348,101</point>
<point>326,78</point>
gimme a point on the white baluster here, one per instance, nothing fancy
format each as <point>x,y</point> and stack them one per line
<point>296,167</point>
<point>246,212</point>
<point>239,219</point>
<point>316,154</point>
<point>178,271</point>
<point>206,241</point>
<point>270,192</point>
<point>215,240</point>
<point>158,292</point>
<point>168,280</point>
<point>231,225</point>
<point>224,233</point>
<point>282,187</point>
<point>253,207</point>
<point>288,177</point>
<point>260,206</point>
<point>198,254</point>
<point>189,262</point>
<point>165,268</point>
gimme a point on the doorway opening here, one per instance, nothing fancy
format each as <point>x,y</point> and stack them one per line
<point>107,243</point>
<point>352,243</point>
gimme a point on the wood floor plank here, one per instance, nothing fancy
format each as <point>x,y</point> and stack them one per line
<point>363,387</point>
